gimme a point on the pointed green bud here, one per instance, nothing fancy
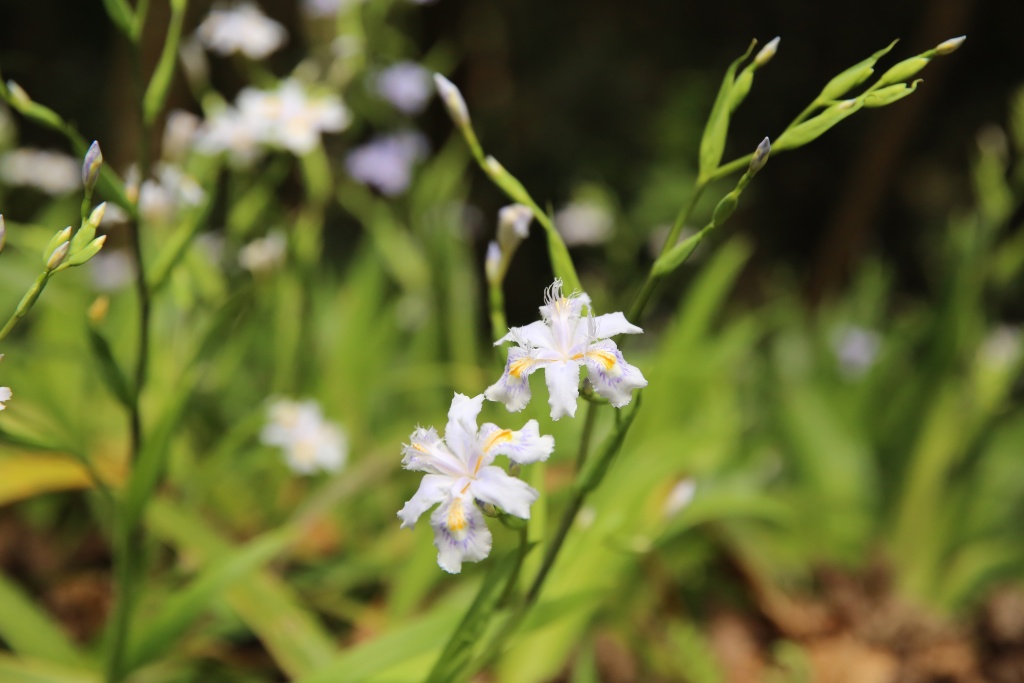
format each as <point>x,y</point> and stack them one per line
<point>890,94</point>
<point>852,77</point>
<point>725,208</point>
<point>903,71</point>
<point>3,232</point>
<point>453,100</point>
<point>19,98</point>
<point>760,157</point>
<point>91,166</point>
<point>950,46</point>
<point>83,255</point>
<point>513,226</point>
<point>57,257</point>
<point>96,217</point>
<point>767,52</point>
<point>493,263</point>
<point>730,94</point>
<point>60,238</point>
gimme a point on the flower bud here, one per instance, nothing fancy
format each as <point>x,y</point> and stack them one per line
<point>97,311</point>
<point>760,157</point>
<point>453,100</point>
<point>58,239</point>
<point>91,166</point>
<point>725,207</point>
<point>513,226</point>
<point>19,98</point>
<point>950,46</point>
<point>3,232</point>
<point>903,71</point>
<point>492,263</point>
<point>767,52</point>
<point>96,217</point>
<point>57,257</point>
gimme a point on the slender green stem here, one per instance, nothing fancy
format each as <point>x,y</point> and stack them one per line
<point>588,430</point>
<point>26,304</point>
<point>496,299</point>
<point>128,545</point>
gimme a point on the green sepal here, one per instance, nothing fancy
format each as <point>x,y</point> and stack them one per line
<point>890,94</point>
<point>852,77</point>
<point>676,256</point>
<point>60,238</point>
<point>810,130</point>
<point>903,71</point>
<point>712,143</point>
<point>86,253</point>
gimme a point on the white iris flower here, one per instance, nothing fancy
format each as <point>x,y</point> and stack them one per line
<point>561,343</point>
<point>459,473</point>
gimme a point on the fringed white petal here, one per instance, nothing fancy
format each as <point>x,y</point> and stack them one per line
<point>513,388</point>
<point>524,446</point>
<point>460,432</point>
<point>460,533</point>
<point>611,375</point>
<point>433,489</point>
<point>611,324</point>
<point>512,495</point>
<point>563,380</point>
<point>426,452</point>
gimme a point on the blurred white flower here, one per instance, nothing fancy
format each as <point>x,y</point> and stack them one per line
<point>309,442</point>
<point>386,163</point>
<point>856,349</point>
<point>285,118</point>
<point>111,270</point>
<point>243,28</point>
<point>561,343</point>
<point>680,497</point>
<point>406,85</point>
<point>584,224</point>
<point>54,173</point>
<point>459,473</point>
<point>228,131</point>
<point>179,134</point>
<point>263,254</point>
<point>5,392</point>
<point>315,9</point>
<point>1001,348</point>
<point>114,215</point>
<point>161,197</point>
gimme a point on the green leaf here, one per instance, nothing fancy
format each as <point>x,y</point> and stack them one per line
<point>23,670</point>
<point>890,94</point>
<point>160,83</point>
<point>812,129</point>
<point>292,635</point>
<point>458,653</point>
<point>111,372</point>
<point>121,14</point>
<point>712,143</point>
<point>29,630</point>
<point>179,612</point>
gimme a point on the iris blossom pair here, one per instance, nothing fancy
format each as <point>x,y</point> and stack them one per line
<point>458,467</point>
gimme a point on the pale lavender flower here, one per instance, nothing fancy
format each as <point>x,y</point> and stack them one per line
<point>584,224</point>
<point>406,85</point>
<point>856,349</point>
<point>386,163</point>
